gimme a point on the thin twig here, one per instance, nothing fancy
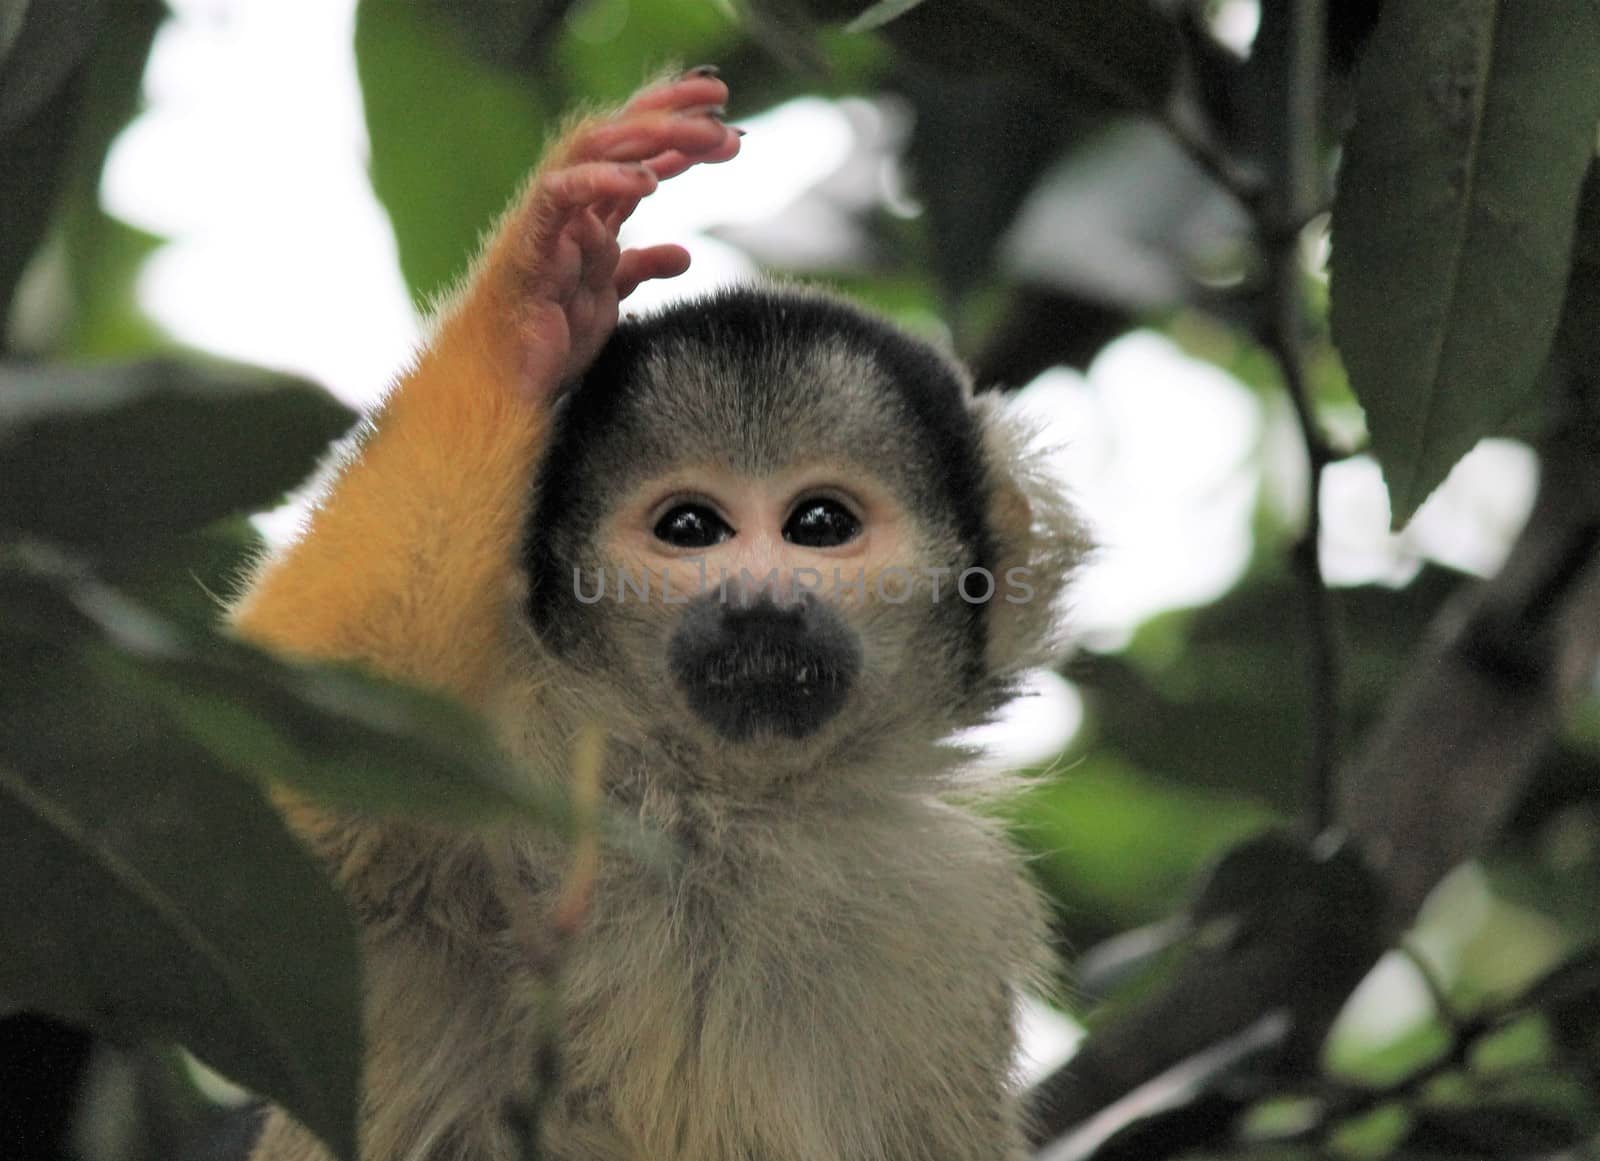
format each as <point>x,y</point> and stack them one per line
<point>1282,340</point>
<point>1296,195</point>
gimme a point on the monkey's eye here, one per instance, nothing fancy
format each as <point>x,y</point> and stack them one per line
<point>821,523</point>
<point>692,526</point>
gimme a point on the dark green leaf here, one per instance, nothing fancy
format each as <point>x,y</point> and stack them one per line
<point>1454,219</point>
<point>102,454</point>
<point>1213,698</point>
<point>192,577</point>
<point>50,165</point>
<point>977,147</point>
<point>47,44</point>
<point>1120,54</point>
<point>12,17</point>
<point>152,895</point>
<point>104,255</point>
<point>1573,985</point>
<point>346,738</point>
<point>452,137</point>
<point>334,733</point>
<point>1577,347</point>
<point>1493,1130</point>
<point>33,157</point>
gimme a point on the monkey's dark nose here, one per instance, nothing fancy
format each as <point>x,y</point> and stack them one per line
<point>762,669</point>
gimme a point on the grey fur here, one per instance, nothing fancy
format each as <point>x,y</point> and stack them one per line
<point>828,969</point>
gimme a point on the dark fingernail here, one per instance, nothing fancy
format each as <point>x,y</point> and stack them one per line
<point>738,131</point>
<point>707,70</point>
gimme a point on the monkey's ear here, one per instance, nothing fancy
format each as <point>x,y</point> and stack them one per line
<point>1040,541</point>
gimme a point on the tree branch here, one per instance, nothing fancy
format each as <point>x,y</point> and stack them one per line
<point>1487,692</point>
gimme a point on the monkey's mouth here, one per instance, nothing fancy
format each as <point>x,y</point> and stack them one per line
<point>764,670</point>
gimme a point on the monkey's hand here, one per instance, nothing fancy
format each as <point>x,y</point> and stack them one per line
<point>565,272</point>
<point>409,560</point>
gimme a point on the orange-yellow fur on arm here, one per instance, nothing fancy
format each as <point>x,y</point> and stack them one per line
<point>408,562</point>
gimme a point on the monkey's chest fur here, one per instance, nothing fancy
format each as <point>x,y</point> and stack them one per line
<point>802,986</point>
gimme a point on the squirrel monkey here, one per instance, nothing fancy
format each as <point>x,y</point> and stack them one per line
<point>778,550</point>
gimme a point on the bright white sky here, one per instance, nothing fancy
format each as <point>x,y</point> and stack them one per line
<point>251,159</point>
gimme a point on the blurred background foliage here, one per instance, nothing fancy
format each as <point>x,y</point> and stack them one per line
<point>1064,172</point>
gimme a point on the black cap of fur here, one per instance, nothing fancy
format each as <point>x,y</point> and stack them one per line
<point>751,330</point>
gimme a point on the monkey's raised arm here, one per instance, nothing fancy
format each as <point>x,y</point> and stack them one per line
<point>408,561</point>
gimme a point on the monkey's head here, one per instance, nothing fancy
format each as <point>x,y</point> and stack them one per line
<point>775,527</point>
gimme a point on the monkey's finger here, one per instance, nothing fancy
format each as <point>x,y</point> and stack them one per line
<point>598,244</point>
<point>595,181</point>
<point>671,164</point>
<point>675,161</point>
<point>636,266</point>
<point>696,87</point>
<point>635,138</point>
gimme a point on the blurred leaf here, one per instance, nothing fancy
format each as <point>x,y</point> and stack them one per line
<point>1577,347</point>
<point>614,46</point>
<point>152,895</point>
<point>50,170</point>
<point>12,18</point>
<point>1040,328</point>
<point>1454,219</point>
<point>1374,1135</point>
<point>1119,54</point>
<point>43,50</point>
<point>346,738</point>
<point>1219,706</point>
<point>45,44</point>
<point>191,577</point>
<point>1082,826</point>
<point>452,137</point>
<point>104,255</point>
<point>1496,1130</point>
<point>880,14</point>
<point>1572,986</point>
<point>33,157</point>
<point>1193,1103</point>
<point>97,455</point>
<point>332,732</point>
<point>505,33</point>
<point>978,144</point>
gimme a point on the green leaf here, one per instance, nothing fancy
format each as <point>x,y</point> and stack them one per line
<point>452,137</point>
<point>332,732</point>
<point>12,17</point>
<point>1493,1129</point>
<point>1117,54</point>
<point>98,455</point>
<point>44,46</point>
<point>1454,219</point>
<point>972,178</point>
<point>50,166</point>
<point>346,738</point>
<point>151,895</point>
<point>880,14</point>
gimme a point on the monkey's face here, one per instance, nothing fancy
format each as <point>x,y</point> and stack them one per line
<point>762,642</point>
<point>780,614</point>
<point>764,528</point>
